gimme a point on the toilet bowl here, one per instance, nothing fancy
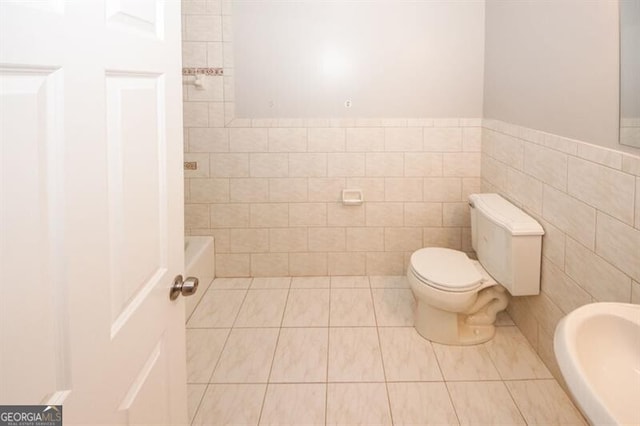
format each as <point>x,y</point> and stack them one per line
<point>457,297</point>
<point>457,300</point>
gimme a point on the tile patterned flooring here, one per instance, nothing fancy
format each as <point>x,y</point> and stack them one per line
<point>342,350</point>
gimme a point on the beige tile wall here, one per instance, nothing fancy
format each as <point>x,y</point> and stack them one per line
<point>587,198</point>
<point>269,189</point>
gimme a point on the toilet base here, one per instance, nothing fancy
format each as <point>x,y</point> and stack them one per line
<point>449,328</point>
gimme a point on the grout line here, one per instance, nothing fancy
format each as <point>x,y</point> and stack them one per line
<point>384,370</point>
<point>275,350</point>
<point>327,382</point>
<point>195,414</point>
<point>326,392</point>
<point>226,340</point>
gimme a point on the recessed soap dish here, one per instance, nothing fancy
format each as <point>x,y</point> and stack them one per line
<point>352,197</point>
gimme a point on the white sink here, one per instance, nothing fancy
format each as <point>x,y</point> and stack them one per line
<point>598,350</point>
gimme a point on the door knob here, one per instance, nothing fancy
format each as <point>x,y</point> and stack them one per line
<point>186,287</point>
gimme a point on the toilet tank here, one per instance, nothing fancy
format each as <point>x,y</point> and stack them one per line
<point>508,243</point>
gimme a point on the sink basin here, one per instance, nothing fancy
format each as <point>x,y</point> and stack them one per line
<point>598,350</point>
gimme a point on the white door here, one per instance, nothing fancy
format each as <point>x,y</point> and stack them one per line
<point>91,209</point>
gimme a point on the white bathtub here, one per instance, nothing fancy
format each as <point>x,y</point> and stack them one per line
<point>199,263</point>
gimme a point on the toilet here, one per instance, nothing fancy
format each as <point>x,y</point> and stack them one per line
<point>457,297</point>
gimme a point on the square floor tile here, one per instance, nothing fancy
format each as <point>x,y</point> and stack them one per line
<point>204,346</point>
<point>301,355</point>
<point>218,308</point>
<point>421,404</point>
<point>543,402</point>
<point>247,356</point>
<point>299,404</point>
<point>407,356</point>
<point>466,363</point>
<point>514,357</point>
<point>231,283</point>
<point>351,307</point>
<point>231,404</point>
<point>390,281</point>
<point>310,282</point>
<point>349,282</point>
<point>357,403</point>
<point>354,355</point>
<point>307,308</point>
<point>195,392</point>
<point>394,307</point>
<point>484,403</point>
<point>262,308</point>
<point>270,283</point>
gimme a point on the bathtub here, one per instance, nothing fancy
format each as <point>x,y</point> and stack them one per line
<point>199,263</point>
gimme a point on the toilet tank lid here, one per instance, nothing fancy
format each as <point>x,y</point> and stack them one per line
<point>504,214</point>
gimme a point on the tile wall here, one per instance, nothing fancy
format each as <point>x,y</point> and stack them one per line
<point>587,198</point>
<point>269,190</point>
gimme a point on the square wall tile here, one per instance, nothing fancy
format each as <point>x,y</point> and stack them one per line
<point>422,164</point>
<point>326,139</point>
<point>308,264</point>
<point>384,164</point>
<point>599,278</point>
<point>365,139</point>
<point>547,165</point>
<point>403,139</point>
<point>403,189</point>
<point>346,263</point>
<point>443,139</point>
<point>574,217</point>
<point>269,264</point>
<point>618,243</point>
<point>610,191</point>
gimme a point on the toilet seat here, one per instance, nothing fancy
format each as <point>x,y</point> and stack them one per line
<point>445,269</point>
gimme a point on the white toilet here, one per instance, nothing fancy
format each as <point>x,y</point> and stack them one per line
<point>457,297</point>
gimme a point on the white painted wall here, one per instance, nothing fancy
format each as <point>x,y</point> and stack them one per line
<point>390,58</point>
<point>553,66</point>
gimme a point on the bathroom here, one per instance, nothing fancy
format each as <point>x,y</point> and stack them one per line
<point>515,98</point>
<point>324,144</point>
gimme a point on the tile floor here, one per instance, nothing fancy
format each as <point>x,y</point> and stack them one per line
<point>342,350</point>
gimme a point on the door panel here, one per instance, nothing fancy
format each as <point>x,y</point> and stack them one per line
<point>92,223</point>
<point>137,191</point>
<point>31,254</point>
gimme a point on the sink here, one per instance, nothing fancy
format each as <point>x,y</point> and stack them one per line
<point>598,350</point>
